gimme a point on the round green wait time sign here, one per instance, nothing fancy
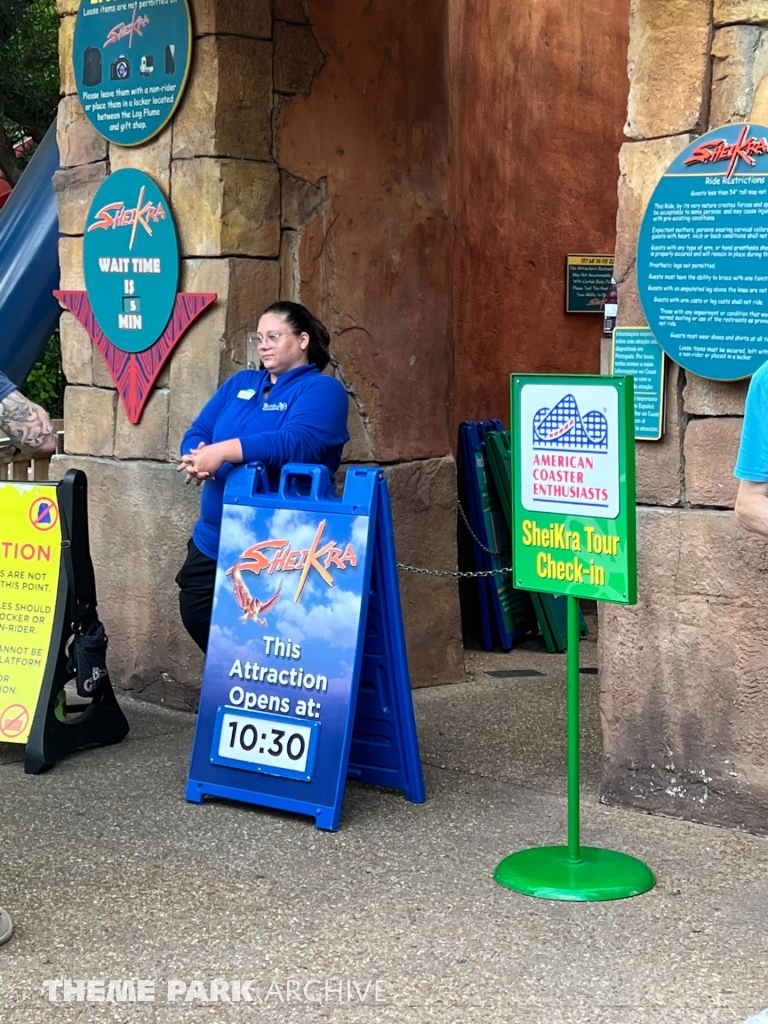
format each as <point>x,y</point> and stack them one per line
<point>131,260</point>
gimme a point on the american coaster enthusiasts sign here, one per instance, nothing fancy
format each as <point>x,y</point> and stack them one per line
<point>131,61</point>
<point>573,533</point>
<point>574,521</point>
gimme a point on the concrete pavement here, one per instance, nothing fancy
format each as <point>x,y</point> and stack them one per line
<point>111,876</point>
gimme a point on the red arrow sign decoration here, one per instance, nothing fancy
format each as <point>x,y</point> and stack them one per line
<point>135,373</point>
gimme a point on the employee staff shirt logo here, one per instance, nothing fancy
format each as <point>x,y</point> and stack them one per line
<point>563,427</point>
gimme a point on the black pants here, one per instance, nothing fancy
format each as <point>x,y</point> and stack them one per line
<point>197,578</point>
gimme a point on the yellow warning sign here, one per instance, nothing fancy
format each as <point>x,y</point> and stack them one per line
<point>30,554</point>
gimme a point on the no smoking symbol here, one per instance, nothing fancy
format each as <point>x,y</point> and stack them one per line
<point>14,720</point>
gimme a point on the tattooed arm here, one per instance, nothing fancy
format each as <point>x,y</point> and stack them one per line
<point>28,425</point>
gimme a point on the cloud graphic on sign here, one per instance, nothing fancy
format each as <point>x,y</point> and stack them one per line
<point>344,677</point>
<point>237,528</point>
<point>297,527</point>
<point>359,536</point>
<point>333,617</point>
<point>226,645</point>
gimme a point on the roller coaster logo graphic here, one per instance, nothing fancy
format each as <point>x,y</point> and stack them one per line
<point>564,428</point>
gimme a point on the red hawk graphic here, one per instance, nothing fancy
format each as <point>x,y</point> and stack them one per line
<point>251,606</point>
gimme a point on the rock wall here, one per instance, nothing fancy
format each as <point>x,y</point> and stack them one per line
<point>685,711</point>
<point>441,163</point>
<point>253,224</point>
<point>363,149</point>
<point>414,173</point>
<point>538,98</point>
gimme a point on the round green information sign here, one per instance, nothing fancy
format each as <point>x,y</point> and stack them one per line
<point>131,260</point>
<point>131,60</point>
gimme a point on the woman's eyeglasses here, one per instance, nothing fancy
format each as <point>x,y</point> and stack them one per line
<point>254,341</point>
<point>272,337</point>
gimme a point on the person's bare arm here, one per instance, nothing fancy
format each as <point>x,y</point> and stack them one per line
<point>27,424</point>
<point>752,506</point>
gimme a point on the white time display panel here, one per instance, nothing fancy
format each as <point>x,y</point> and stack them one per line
<point>271,744</point>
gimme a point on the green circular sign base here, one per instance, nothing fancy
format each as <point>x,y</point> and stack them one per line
<point>550,873</point>
<point>6,927</point>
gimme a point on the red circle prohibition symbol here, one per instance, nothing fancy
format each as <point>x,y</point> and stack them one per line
<point>43,514</point>
<point>14,720</point>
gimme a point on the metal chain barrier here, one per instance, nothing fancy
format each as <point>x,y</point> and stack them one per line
<point>460,575</point>
<point>453,575</point>
<point>472,533</point>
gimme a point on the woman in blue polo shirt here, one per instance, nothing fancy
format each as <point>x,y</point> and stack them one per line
<point>288,411</point>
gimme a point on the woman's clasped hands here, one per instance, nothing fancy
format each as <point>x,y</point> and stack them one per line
<point>202,462</point>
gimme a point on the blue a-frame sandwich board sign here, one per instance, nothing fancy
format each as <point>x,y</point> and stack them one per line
<point>306,678</point>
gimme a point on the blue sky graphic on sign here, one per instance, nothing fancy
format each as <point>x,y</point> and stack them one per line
<point>564,427</point>
<point>131,260</point>
<point>281,652</point>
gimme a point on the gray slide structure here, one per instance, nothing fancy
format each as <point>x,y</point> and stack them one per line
<point>29,263</point>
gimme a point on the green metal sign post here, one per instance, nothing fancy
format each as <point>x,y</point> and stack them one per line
<point>573,533</point>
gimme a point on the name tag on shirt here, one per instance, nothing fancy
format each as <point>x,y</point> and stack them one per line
<point>246,393</point>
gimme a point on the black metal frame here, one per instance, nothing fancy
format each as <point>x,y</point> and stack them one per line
<point>102,721</point>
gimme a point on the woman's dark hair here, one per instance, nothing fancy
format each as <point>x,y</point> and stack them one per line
<point>301,321</point>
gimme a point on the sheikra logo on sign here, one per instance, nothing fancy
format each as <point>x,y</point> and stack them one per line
<point>279,556</point>
<point>118,215</point>
<point>569,450</point>
<point>126,30</point>
<point>715,151</point>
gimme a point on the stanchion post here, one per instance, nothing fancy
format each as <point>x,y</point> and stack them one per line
<point>574,537</point>
<point>574,845</point>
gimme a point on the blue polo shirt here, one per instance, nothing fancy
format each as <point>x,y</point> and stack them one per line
<point>302,417</point>
<point>6,387</point>
<point>752,463</point>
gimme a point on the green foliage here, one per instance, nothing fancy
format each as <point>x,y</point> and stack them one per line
<point>29,77</point>
<point>29,95</point>
<point>45,382</point>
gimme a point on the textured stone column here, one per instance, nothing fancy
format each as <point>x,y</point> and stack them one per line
<point>366,245</point>
<point>250,229</point>
<point>683,695</point>
<point>215,162</point>
<point>424,511</point>
<point>683,720</point>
